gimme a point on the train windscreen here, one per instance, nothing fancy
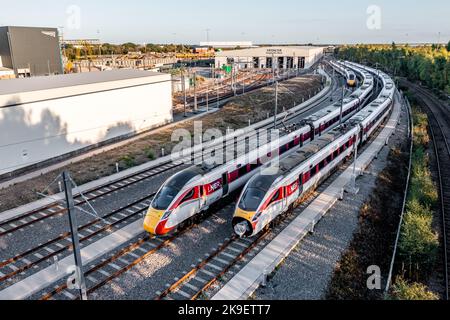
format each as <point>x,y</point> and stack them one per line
<point>251,199</point>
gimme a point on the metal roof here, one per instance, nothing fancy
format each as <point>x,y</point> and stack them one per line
<point>14,86</point>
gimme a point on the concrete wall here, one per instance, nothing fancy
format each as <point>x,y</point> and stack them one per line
<point>36,132</point>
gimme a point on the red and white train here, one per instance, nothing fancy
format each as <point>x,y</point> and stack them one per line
<point>266,196</point>
<point>195,189</point>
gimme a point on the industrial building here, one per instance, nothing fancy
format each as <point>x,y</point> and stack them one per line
<point>270,57</point>
<point>227,44</point>
<point>50,118</point>
<point>30,51</point>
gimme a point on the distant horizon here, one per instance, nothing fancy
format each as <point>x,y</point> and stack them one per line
<point>181,22</point>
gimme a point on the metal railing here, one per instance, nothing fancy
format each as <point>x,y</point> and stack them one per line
<point>405,199</point>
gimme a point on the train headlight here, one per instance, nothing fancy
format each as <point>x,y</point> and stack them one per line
<point>241,228</point>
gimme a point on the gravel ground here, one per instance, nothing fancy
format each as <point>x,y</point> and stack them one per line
<point>306,273</point>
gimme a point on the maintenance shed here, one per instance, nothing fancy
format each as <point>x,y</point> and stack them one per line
<point>299,57</point>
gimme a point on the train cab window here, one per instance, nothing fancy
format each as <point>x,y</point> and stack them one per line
<point>251,199</point>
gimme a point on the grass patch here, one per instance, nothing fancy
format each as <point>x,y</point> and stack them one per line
<point>404,290</point>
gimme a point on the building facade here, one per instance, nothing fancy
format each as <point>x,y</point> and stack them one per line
<point>31,51</point>
<point>270,57</point>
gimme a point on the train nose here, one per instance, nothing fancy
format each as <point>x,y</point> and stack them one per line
<point>242,222</point>
<point>152,220</point>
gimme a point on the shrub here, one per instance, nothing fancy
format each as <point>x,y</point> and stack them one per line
<point>149,153</point>
<point>129,161</point>
<point>403,290</point>
<point>418,245</point>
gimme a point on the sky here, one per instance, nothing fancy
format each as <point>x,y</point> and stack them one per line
<point>260,21</point>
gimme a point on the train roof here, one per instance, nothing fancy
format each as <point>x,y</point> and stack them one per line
<point>184,177</point>
<point>263,182</point>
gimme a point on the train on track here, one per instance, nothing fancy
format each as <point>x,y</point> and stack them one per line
<point>193,190</point>
<point>267,196</point>
<point>349,75</point>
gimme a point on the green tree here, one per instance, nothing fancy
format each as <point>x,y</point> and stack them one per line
<point>448,46</point>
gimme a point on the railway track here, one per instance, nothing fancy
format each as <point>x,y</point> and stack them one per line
<point>193,284</point>
<point>439,120</point>
<point>55,209</point>
<point>59,247</point>
<point>196,282</point>
<point>36,257</point>
<point>56,248</point>
<point>210,270</point>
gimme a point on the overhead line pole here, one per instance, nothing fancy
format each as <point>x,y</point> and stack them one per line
<point>276,106</point>
<point>74,233</point>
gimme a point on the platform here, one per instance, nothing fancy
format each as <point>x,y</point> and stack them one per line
<point>245,283</point>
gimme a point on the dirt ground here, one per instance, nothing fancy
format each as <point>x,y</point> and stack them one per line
<point>236,114</point>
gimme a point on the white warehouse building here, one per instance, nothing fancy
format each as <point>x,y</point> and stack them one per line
<point>49,118</point>
<point>299,57</point>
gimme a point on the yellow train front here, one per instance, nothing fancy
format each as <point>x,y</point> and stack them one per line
<point>178,200</point>
<point>258,205</point>
<point>351,79</point>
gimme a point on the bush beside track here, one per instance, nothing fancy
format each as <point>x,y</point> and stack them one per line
<point>378,222</point>
<point>419,242</point>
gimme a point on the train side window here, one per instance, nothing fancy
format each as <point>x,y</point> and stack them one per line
<point>322,165</point>
<point>330,158</point>
<point>313,172</point>
<point>188,196</point>
<point>275,197</point>
<point>243,171</point>
<point>306,177</point>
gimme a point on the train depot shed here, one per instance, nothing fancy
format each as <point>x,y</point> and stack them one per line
<point>289,57</point>
<point>49,118</point>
